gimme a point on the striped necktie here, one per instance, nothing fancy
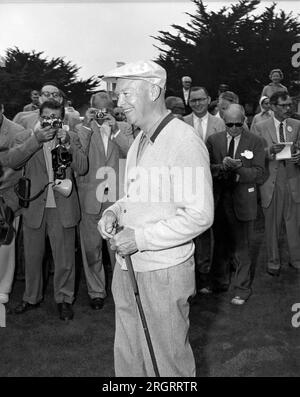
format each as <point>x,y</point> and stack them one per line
<point>281,134</point>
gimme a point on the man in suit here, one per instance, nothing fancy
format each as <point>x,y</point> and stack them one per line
<point>237,163</point>
<point>203,122</point>
<point>280,194</point>
<point>8,179</point>
<point>185,91</point>
<point>28,119</point>
<point>205,125</point>
<point>50,213</point>
<point>107,141</point>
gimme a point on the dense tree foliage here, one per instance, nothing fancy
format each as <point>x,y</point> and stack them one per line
<point>234,45</point>
<point>24,71</point>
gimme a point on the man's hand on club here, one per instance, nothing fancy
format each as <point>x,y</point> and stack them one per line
<point>107,226</point>
<point>124,242</point>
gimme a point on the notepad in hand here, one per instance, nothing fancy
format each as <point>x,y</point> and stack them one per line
<point>285,153</point>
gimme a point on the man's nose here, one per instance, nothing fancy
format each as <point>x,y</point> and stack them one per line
<point>120,100</point>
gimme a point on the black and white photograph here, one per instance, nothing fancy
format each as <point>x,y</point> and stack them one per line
<point>149,192</point>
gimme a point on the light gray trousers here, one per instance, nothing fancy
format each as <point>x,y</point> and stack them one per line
<point>164,295</point>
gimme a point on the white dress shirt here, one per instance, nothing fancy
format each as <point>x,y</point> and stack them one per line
<point>277,124</point>
<point>200,125</point>
<point>236,142</point>
<point>186,94</point>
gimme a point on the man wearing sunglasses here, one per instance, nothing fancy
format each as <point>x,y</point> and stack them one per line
<point>237,163</point>
<point>204,125</point>
<point>280,194</point>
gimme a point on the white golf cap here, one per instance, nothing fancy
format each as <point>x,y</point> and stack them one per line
<point>141,70</point>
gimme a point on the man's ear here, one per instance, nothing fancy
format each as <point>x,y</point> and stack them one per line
<point>154,92</point>
<point>209,100</point>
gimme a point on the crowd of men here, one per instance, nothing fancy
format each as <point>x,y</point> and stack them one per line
<point>246,164</point>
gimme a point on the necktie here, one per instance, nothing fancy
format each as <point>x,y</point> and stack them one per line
<point>281,134</point>
<point>231,148</point>
<point>200,129</point>
<point>142,145</point>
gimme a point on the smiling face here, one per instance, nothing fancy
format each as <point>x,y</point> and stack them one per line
<point>199,102</point>
<point>134,98</point>
<point>276,77</point>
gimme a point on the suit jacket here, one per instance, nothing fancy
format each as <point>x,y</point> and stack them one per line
<point>266,130</point>
<point>27,119</point>
<point>29,153</point>
<point>92,184</point>
<point>214,124</point>
<point>246,178</point>
<point>179,94</point>
<point>10,177</point>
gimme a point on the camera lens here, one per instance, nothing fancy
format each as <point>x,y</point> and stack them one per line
<point>45,123</point>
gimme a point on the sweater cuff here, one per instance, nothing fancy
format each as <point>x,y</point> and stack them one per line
<point>115,209</point>
<point>140,240</point>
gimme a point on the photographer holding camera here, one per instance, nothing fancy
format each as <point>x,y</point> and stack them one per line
<point>50,212</point>
<point>106,141</point>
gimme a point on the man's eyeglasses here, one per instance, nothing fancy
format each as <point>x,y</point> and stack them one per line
<point>198,100</point>
<point>284,105</point>
<point>48,94</point>
<point>230,125</point>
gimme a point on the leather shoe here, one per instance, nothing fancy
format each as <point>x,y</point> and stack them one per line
<point>65,311</point>
<point>97,303</point>
<point>273,272</point>
<point>237,301</point>
<point>25,306</point>
<point>297,269</point>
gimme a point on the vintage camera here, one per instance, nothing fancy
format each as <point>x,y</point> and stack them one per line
<point>61,159</point>
<point>53,122</point>
<point>101,114</point>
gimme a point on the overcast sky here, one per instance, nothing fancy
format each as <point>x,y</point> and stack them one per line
<point>96,34</point>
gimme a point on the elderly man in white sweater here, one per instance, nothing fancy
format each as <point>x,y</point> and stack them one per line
<point>168,201</point>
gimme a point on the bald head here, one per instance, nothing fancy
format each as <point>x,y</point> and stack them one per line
<point>234,110</point>
<point>102,100</point>
<point>234,117</point>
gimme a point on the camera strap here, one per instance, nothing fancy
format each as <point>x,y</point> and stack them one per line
<point>16,189</point>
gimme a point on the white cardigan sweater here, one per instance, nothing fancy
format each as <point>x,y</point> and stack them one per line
<point>168,211</point>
